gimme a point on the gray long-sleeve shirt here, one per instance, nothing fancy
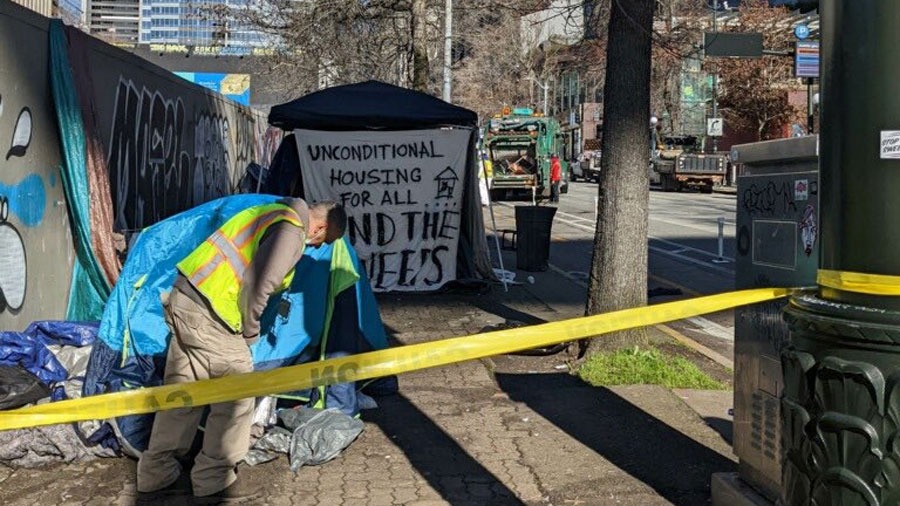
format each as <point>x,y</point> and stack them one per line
<point>279,251</point>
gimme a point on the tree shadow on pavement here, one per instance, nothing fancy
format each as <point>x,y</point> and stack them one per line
<point>448,468</point>
<point>723,426</point>
<point>674,465</point>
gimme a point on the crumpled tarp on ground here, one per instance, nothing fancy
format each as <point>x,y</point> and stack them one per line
<point>56,352</point>
<point>309,437</point>
<point>40,446</point>
<point>53,351</point>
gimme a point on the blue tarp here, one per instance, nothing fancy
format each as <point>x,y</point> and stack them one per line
<point>30,348</point>
<point>133,337</point>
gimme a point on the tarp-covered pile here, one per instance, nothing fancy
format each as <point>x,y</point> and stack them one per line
<point>328,310</point>
<point>48,361</point>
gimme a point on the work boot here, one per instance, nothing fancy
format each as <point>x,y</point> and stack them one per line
<point>236,493</point>
<point>180,488</point>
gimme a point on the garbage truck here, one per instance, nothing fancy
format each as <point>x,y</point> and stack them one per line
<point>518,145</point>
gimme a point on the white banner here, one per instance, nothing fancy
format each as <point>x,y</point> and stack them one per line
<point>403,195</point>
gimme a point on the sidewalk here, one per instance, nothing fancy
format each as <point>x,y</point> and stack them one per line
<point>508,430</point>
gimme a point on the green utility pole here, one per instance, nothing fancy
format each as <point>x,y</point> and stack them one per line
<point>841,402</point>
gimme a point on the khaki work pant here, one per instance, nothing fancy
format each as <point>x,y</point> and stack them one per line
<point>201,348</point>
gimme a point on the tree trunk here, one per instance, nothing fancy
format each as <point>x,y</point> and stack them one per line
<point>419,45</point>
<point>619,266</point>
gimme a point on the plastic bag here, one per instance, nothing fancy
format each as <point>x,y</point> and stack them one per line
<point>19,387</point>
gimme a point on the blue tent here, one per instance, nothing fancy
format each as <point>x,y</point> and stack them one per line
<point>131,347</point>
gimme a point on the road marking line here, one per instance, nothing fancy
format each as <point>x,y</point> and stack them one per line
<point>678,336</point>
<point>689,248</point>
<point>705,265</point>
<point>699,348</point>
<point>688,259</point>
<point>712,328</point>
<point>682,247</point>
<point>673,284</point>
<point>712,229</point>
<point>566,275</point>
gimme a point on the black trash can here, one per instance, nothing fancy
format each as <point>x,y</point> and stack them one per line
<point>533,225</point>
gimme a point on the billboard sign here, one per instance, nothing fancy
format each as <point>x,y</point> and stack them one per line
<point>233,86</point>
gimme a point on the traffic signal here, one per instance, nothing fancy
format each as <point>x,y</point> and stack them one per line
<point>807,5</point>
<point>801,5</point>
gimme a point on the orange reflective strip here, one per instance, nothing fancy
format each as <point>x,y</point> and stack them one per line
<point>249,231</point>
<point>230,252</point>
<point>200,275</point>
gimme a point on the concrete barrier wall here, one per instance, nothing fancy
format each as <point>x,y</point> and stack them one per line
<point>36,251</point>
<point>170,144</point>
<point>166,145</point>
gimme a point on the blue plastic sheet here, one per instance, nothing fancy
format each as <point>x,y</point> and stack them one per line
<point>133,339</point>
<point>30,348</point>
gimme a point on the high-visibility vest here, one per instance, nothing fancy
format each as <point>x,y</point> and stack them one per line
<point>216,267</point>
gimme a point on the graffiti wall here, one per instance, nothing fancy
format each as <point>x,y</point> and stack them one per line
<point>169,144</point>
<point>36,252</point>
<point>158,143</point>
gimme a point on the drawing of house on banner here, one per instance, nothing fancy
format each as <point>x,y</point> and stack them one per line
<point>446,183</point>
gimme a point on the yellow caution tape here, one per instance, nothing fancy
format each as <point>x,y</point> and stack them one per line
<point>871,284</point>
<point>373,364</point>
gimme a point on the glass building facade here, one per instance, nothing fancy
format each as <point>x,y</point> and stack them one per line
<point>194,24</point>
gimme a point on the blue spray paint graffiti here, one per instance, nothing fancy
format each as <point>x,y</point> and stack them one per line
<point>27,200</point>
<point>13,267</point>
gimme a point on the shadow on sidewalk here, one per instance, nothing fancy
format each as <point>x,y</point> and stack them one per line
<point>723,426</point>
<point>673,464</point>
<point>448,468</point>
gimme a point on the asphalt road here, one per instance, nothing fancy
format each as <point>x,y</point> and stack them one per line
<point>683,250</point>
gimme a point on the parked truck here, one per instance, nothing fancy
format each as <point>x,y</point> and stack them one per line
<point>518,144</point>
<point>589,163</point>
<point>677,164</point>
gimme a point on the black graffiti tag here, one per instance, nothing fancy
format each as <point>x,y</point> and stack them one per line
<point>769,199</point>
<point>148,163</point>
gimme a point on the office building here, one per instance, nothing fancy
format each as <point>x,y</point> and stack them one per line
<point>115,21</point>
<point>196,25</point>
<point>70,11</point>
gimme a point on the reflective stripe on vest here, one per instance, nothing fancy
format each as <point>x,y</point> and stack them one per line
<point>216,268</point>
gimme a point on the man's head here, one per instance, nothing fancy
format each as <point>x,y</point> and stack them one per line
<point>327,223</point>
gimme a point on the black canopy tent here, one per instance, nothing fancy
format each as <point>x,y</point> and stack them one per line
<point>373,105</point>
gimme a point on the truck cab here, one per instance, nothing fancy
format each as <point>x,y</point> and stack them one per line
<point>518,145</point>
<point>678,164</point>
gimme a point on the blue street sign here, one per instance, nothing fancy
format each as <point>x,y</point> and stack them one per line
<point>802,31</point>
<point>806,59</point>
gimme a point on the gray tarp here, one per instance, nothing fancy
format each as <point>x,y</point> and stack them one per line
<point>310,437</point>
<point>40,446</point>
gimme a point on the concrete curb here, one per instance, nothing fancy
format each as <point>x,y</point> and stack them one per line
<point>725,190</point>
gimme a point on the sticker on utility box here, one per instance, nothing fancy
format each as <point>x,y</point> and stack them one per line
<point>890,144</point>
<point>801,189</point>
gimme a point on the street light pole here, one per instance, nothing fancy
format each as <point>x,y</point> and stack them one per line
<point>715,76</point>
<point>448,48</point>
<point>544,87</point>
<point>840,404</point>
